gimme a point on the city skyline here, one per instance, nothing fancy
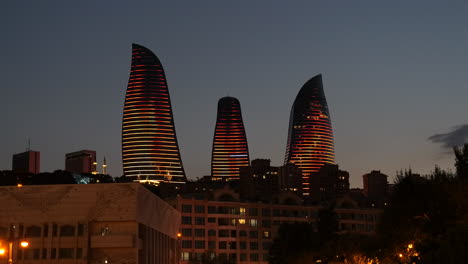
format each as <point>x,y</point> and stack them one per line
<point>395,76</point>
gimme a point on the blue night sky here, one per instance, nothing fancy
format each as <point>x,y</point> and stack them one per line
<point>394,74</point>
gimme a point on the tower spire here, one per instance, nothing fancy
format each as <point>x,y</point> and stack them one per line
<point>104,166</point>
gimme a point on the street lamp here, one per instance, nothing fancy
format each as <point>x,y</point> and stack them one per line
<point>23,244</point>
<point>178,248</point>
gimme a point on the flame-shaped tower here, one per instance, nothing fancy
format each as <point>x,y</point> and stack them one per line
<point>150,151</point>
<point>230,149</point>
<point>310,139</point>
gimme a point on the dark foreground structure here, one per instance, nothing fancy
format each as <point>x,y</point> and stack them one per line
<point>150,151</point>
<point>88,224</point>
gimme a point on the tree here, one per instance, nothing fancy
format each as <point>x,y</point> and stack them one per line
<point>431,213</point>
<point>327,224</point>
<point>294,244</point>
<point>461,161</point>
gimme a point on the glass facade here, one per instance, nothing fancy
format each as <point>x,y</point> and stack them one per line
<point>150,151</point>
<point>310,137</point>
<point>230,148</point>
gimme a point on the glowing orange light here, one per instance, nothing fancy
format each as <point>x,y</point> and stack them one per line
<point>24,244</point>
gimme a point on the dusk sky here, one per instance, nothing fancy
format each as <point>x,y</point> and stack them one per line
<point>394,74</point>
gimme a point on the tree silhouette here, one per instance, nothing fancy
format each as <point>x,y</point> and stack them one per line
<point>461,161</point>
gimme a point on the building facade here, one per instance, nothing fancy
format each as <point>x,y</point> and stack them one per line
<point>224,226</point>
<point>262,182</point>
<point>95,223</point>
<point>329,183</point>
<point>375,187</point>
<point>355,217</point>
<point>27,162</point>
<point>230,148</point>
<point>150,151</point>
<point>310,136</point>
<point>227,228</point>
<point>83,161</point>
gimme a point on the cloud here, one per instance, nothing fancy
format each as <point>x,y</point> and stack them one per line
<point>457,137</point>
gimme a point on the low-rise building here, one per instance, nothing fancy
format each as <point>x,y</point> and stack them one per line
<point>88,223</point>
<point>354,217</point>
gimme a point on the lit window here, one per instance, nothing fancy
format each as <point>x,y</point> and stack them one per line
<point>253,222</point>
<point>242,211</point>
<point>185,255</point>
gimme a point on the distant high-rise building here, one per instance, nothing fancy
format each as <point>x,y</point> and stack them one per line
<point>27,162</point>
<point>230,148</point>
<point>261,181</point>
<point>83,161</point>
<point>310,138</point>
<point>150,151</point>
<point>329,183</point>
<point>375,187</point>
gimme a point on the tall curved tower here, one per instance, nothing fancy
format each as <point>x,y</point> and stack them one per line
<point>310,137</point>
<point>230,149</point>
<point>150,151</point>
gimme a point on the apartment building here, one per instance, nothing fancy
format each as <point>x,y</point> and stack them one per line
<point>225,227</point>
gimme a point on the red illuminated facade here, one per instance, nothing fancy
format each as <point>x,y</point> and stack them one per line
<point>310,139</point>
<point>230,149</point>
<point>27,162</point>
<point>150,151</point>
<point>83,161</point>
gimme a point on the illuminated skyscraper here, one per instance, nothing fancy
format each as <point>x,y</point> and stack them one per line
<point>230,149</point>
<point>310,139</point>
<point>150,151</point>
